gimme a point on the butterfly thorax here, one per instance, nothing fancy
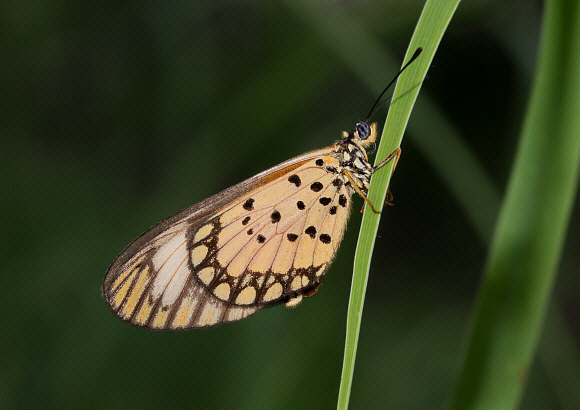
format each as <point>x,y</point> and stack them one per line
<point>352,156</point>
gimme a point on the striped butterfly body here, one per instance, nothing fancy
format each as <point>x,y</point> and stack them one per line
<point>264,241</point>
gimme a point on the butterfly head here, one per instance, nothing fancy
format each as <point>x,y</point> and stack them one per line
<point>364,133</point>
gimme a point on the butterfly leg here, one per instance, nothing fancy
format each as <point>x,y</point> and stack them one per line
<point>389,198</point>
<point>395,154</point>
<point>359,191</point>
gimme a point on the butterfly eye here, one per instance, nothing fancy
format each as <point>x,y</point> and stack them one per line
<point>364,130</point>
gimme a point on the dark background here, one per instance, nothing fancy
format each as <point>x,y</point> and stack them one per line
<point>116,115</point>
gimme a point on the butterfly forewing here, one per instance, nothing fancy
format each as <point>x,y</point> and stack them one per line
<point>261,242</point>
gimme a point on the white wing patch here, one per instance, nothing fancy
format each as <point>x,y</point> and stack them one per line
<point>161,293</point>
<point>167,261</point>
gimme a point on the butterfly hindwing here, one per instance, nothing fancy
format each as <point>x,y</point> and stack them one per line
<point>257,243</point>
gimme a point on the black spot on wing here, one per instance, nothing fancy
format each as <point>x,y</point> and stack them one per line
<point>275,217</point>
<point>325,238</point>
<point>292,237</point>
<point>311,231</point>
<point>249,204</point>
<point>295,179</point>
<point>316,186</point>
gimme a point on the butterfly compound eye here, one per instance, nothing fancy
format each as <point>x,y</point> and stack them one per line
<point>364,130</point>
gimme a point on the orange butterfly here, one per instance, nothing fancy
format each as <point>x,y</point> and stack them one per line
<point>264,241</point>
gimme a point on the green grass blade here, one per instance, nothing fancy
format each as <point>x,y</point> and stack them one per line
<point>528,241</point>
<point>434,135</point>
<point>560,359</point>
<point>428,33</point>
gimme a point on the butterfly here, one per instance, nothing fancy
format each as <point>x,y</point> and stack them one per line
<point>265,241</point>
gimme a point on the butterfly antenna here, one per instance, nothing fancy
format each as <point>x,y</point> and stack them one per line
<point>378,102</point>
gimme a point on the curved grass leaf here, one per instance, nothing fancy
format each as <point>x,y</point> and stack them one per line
<point>428,33</point>
<point>528,241</point>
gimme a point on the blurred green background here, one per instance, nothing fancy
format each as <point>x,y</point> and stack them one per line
<point>116,115</point>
